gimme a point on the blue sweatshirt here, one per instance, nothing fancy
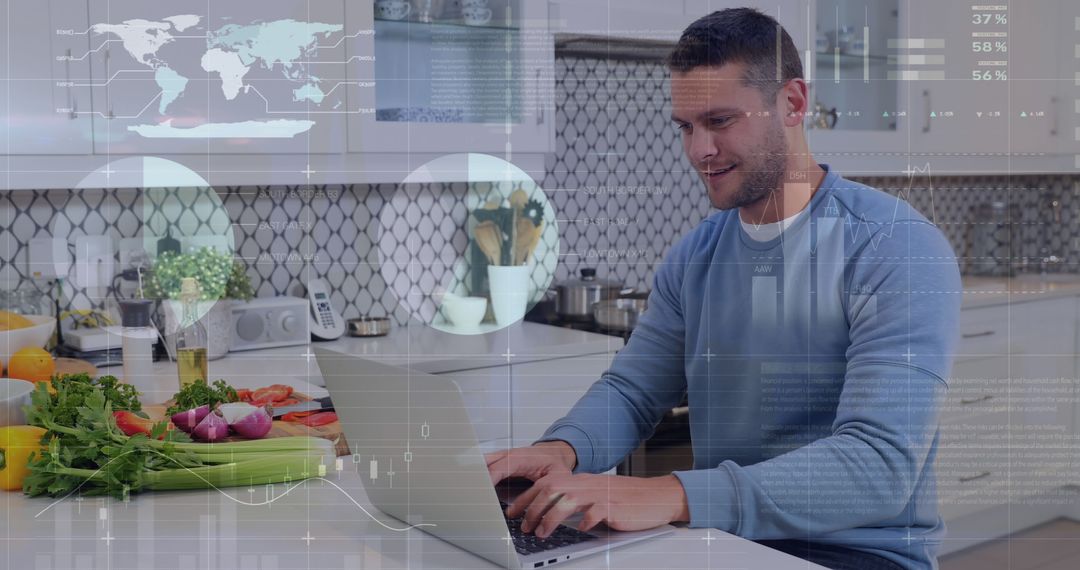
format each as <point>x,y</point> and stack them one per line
<point>815,365</point>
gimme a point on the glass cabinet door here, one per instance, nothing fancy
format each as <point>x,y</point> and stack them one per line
<point>854,87</point>
<point>452,75</point>
<point>858,83</point>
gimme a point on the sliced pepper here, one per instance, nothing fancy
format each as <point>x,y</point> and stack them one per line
<point>131,424</point>
<point>320,419</point>
<point>17,443</point>
<point>296,416</point>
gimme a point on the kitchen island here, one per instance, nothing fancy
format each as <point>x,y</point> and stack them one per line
<point>328,522</point>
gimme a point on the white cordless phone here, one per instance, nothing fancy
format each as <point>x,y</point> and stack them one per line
<point>326,323</point>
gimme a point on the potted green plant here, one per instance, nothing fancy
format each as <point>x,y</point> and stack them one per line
<point>222,282</point>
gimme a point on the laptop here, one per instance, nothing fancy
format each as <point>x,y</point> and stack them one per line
<point>420,462</point>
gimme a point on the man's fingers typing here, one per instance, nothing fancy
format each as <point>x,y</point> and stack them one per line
<point>517,508</point>
<point>560,510</point>
<point>545,499</point>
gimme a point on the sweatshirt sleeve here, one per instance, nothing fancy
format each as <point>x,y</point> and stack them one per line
<point>902,305</point>
<point>646,379</point>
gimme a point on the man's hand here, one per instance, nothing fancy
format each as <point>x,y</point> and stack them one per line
<point>623,503</point>
<point>533,463</point>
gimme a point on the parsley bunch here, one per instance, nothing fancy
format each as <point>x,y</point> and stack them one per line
<point>199,393</point>
<point>72,390</point>
<point>86,451</point>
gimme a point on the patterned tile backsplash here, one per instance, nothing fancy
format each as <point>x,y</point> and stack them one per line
<point>621,190</point>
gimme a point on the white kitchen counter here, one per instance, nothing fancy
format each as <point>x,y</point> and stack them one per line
<point>320,524</point>
<point>428,350</point>
<point>989,291</point>
<point>418,347</point>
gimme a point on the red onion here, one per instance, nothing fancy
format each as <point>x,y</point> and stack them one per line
<point>212,428</point>
<point>247,421</point>
<point>186,421</point>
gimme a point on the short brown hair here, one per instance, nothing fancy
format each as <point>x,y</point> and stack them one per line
<point>740,35</point>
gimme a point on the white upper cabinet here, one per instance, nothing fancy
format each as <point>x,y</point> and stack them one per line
<point>1067,111</point>
<point>960,91</point>
<point>860,115</point>
<point>1035,94</point>
<point>45,102</point>
<point>978,87</point>
<point>301,91</point>
<point>443,77</point>
<point>246,77</point>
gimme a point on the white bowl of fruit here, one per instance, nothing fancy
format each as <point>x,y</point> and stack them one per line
<point>22,331</point>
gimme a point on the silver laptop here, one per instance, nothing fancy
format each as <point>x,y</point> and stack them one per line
<point>415,426</point>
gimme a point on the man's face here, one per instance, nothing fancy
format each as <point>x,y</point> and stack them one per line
<point>741,158</point>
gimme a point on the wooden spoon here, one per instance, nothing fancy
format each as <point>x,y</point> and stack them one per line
<point>490,242</point>
<point>525,230</point>
<point>518,199</point>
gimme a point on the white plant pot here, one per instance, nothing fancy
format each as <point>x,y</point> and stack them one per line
<point>216,317</point>
<point>509,286</point>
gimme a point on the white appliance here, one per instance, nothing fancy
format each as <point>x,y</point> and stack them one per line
<point>270,322</point>
<point>91,339</point>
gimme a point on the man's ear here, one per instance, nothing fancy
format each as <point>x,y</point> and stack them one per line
<point>794,100</point>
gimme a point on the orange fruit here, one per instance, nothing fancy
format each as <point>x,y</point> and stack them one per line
<point>31,363</point>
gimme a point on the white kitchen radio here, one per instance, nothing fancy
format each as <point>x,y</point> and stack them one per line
<point>270,322</point>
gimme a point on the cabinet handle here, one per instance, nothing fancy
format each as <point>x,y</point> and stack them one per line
<point>108,90</point>
<point>540,118</point>
<point>969,401</point>
<point>72,104</point>
<point>979,334</point>
<point>1054,110</point>
<point>926,98</point>
<point>971,478</point>
<point>680,411</point>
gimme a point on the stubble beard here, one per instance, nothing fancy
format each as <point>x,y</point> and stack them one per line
<point>762,176</point>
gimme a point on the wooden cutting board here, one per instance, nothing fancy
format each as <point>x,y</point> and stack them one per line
<point>66,365</point>
<point>331,432</point>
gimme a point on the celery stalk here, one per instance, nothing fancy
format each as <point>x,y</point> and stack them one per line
<point>260,471</point>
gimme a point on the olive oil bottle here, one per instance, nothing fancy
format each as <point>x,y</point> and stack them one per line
<point>191,340</point>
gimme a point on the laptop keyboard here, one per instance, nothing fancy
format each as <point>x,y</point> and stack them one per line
<point>528,543</point>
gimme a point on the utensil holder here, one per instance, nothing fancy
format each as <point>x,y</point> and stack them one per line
<point>509,286</point>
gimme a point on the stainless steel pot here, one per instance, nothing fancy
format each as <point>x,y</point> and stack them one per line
<point>577,296</point>
<point>620,315</point>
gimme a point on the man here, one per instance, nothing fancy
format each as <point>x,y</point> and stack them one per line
<point>810,323</point>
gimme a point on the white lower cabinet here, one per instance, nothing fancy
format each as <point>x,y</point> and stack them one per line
<point>486,392</point>
<point>544,391</point>
<point>1006,429</point>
